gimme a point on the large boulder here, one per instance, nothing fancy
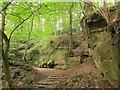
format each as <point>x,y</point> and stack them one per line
<point>103,42</point>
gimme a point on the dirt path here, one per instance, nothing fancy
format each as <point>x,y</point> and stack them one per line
<point>80,68</point>
<point>49,72</point>
<point>61,78</point>
<point>84,75</point>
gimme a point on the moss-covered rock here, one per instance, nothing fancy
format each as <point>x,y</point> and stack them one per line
<point>103,44</point>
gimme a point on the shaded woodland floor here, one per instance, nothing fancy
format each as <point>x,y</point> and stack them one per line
<point>84,75</point>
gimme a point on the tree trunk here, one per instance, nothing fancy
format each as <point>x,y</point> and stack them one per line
<point>71,39</point>
<point>29,34</point>
<point>5,60</point>
<point>6,67</point>
<point>3,19</point>
<point>49,54</point>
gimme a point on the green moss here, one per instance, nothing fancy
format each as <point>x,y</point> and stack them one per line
<point>77,78</point>
<point>28,81</point>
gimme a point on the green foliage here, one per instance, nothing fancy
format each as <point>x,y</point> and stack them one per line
<point>46,18</point>
<point>51,18</point>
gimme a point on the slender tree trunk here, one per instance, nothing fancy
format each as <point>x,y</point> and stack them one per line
<point>79,16</point>
<point>54,32</point>
<point>49,54</point>
<point>3,19</point>
<point>71,39</point>
<point>29,34</point>
<point>6,67</point>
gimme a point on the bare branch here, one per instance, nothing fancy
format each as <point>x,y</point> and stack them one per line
<point>6,6</point>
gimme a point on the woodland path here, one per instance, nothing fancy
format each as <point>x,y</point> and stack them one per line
<point>84,75</point>
<point>57,78</point>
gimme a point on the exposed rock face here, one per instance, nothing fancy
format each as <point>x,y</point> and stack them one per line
<point>103,43</point>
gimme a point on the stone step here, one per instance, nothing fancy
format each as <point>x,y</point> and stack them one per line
<point>52,80</point>
<point>45,83</point>
<point>53,77</point>
<point>48,82</point>
<point>44,86</point>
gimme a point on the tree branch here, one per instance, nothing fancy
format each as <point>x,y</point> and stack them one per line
<point>16,16</point>
<point>22,23</point>
<point>6,6</point>
<point>19,25</point>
